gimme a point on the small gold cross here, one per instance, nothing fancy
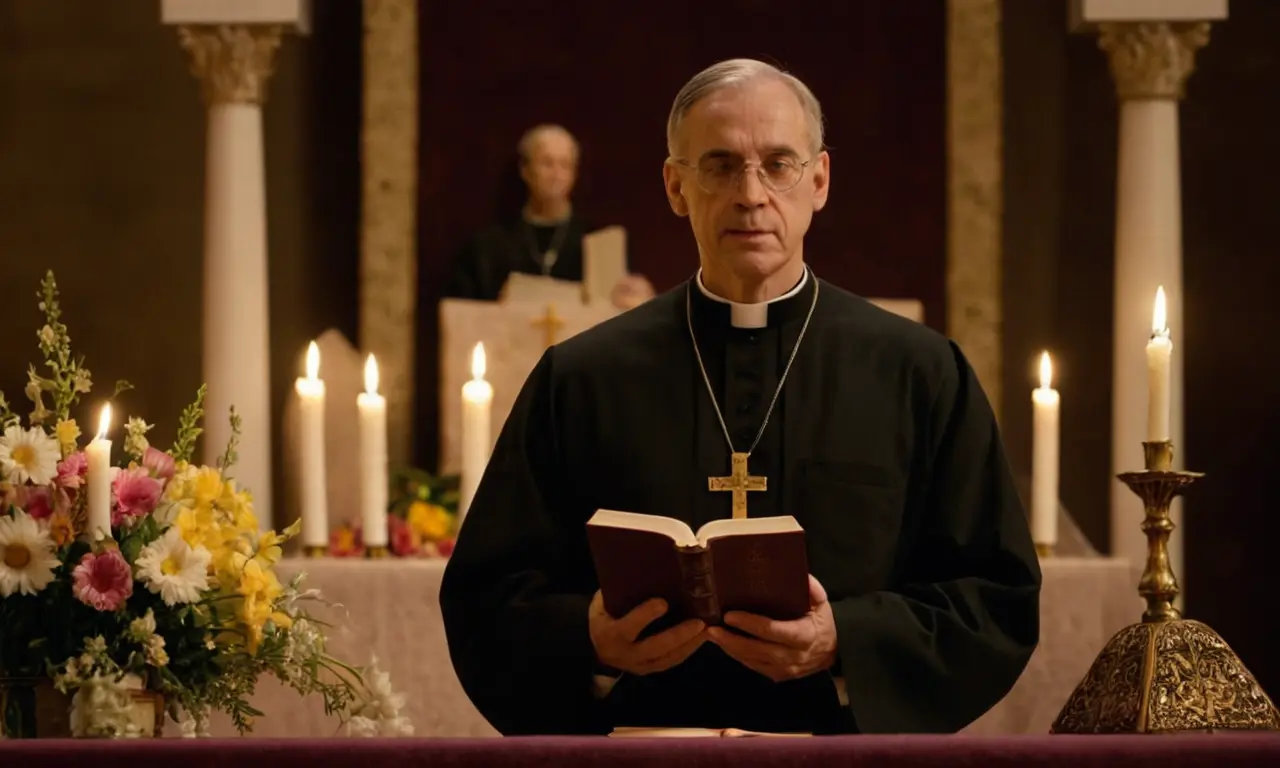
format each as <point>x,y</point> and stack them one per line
<point>550,322</point>
<point>738,482</point>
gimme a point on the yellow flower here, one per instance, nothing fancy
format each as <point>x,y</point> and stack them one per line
<point>259,590</point>
<point>269,551</point>
<point>206,486</point>
<point>430,521</point>
<point>67,433</point>
<point>61,529</point>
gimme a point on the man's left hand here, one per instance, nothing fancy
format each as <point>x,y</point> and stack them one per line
<point>783,650</point>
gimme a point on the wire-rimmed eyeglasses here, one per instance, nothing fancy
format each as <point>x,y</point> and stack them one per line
<point>720,173</point>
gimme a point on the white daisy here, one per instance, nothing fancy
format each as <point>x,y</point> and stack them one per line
<point>26,555</point>
<point>172,569</point>
<point>29,454</point>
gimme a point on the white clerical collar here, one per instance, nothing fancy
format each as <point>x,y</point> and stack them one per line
<point>750,315</point>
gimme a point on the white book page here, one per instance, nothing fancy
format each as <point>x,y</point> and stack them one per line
<point>730,527</point>
<point>677,530</point>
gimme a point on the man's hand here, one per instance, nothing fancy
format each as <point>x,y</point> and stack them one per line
<point>615,639</point>
<point>784,650</point>
<point>631,291</point>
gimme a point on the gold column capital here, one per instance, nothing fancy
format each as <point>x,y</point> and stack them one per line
<point>1152,60</point>
<point>233,62</point>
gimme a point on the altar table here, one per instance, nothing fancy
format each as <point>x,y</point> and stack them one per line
<point>1199,751</point>
<point>391,608</point>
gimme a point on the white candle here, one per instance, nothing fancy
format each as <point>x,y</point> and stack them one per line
<point>1044,458</point>
<point>373,458</point>
<point>477,397</point>
<point>98,479</point>
<point>1159,357</point>
<point>312,491</point>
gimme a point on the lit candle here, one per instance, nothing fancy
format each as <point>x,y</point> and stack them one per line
<point>98,478</point>
<point>311,471</point>
<point>477,397</point>
<point>373,458</point>
<point>1044,458</point>
<point>1159,356</point>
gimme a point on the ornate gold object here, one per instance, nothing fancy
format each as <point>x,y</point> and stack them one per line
<point>233,63</point>
<point>1044,551</point>
<point>1166,674</point>
<point>315,551</point>
<point>1152,60</point>
<point>738,482</point>
<point>376,553</point>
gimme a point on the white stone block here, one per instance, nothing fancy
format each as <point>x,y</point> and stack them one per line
<point>295,14</point>
<point>1083,14</point>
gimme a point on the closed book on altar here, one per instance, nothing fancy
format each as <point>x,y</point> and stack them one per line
<point>758,565</point>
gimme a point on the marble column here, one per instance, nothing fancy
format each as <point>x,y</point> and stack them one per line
<point>233,64</point>
<point>1150,63</point>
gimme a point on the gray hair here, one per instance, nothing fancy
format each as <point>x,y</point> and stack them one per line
<point>733,73</point>
<point>529,140</point>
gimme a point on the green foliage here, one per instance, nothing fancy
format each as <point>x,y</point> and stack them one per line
<point>189,429</point>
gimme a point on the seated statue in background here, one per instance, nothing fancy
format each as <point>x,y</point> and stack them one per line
<point>545,238</point>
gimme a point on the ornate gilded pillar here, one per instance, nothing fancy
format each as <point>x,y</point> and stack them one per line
<point>233,64</point>
<point>1150,62</point>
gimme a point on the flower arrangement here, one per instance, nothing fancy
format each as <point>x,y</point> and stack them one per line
<point>180,598</point>
<point>422,514</point>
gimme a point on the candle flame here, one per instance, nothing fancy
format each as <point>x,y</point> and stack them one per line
<point>1159,315</point>
<point>1046,371</point>
<point>371,375</point>
<point>104,422</point>
<point>477,361</point>
<point>313,361</point>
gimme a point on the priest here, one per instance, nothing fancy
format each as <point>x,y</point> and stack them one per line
<point>871,430</point>
<point>545,239</point>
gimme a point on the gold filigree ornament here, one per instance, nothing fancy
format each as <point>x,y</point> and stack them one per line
<point>1165,674</point>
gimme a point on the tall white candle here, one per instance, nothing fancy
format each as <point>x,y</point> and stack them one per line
<point>98,479</point>
<point>1044,458</point>
<point>477,397</point>
<point>373,458</point>
<point>312,492</point>
<point>1159,359</point>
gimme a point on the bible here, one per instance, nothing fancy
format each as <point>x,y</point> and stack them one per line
<point>758,565</point>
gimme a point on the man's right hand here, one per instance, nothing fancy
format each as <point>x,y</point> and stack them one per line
<point>616,645</point>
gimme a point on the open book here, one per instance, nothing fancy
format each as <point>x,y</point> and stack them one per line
<point>758,565</point>
<point>685,733</point>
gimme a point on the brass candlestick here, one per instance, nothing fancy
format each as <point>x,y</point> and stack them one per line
<point>312,550</point>
<point>1166,674</point>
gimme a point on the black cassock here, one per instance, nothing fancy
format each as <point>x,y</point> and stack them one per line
<point>515,245</point>
<point>882,445</point>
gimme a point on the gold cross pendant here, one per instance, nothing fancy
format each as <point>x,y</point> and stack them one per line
<point>738,482</point>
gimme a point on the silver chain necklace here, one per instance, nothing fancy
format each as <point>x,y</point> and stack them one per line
<point>740,482</point>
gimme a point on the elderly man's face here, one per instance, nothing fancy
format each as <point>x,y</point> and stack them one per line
<point>749,142</point>
<point>551,168</point>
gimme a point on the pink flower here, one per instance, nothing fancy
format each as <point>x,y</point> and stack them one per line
<point>71,470</point>
<point>159,463</point>
<point>102,581</point>
<point>137,494</point>
<point>36,501</point>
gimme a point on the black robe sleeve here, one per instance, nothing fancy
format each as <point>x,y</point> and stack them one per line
<point>938,652</point>
<point>518,585</point>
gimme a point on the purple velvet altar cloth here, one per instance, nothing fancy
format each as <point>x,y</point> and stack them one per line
<point>1190,751</point>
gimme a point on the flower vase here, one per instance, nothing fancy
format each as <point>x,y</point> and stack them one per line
<point>32,708</point>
